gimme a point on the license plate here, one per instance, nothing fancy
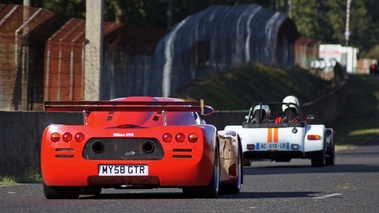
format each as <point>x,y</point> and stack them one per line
<point>274,146</point>
<point>123,170</point>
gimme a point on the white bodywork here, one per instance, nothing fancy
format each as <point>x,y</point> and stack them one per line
<point>281,139</point>
<point>278,131</point>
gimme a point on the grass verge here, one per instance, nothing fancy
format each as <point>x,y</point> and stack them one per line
<point>359,121</point>
<point>29,176</point>
<point>240,88</point>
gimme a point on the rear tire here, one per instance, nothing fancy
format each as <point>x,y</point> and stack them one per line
<point>212,189</point>
<point>61,192</point>
<point>318,159</point>
<point>331,154</point>
<point>246,162</point>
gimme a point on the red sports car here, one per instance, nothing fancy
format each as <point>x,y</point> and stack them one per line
<point>139,142</point>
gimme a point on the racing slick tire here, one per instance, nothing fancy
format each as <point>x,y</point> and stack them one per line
<point>330,155</point>
<point>246,162</point>
<point>212,189</point>
<point>318,158</point>
<point>61,192</point>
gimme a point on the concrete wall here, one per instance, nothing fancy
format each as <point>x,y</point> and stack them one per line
<point>21,132</point>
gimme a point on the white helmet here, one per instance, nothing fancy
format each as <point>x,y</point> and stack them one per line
<point>264,107</point>
<point>290,99</point>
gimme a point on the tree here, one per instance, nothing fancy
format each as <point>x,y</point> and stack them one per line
<point>316,19</point>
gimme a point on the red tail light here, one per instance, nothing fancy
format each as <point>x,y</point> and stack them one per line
<point>67,137</point>
<point>250,146</point>
<point>167,137</point>
<point>193,137</point>
<point>55,137</point>
<point>79,137</point>
<point>180,137</point>
<point>313,137</point>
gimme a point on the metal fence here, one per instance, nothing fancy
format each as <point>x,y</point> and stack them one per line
<point>137,60</point>
<point>23,33</point>
<point>64,61</point>
<point>222,37</point>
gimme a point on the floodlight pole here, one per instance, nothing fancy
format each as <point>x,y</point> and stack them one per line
<point>347,33</point>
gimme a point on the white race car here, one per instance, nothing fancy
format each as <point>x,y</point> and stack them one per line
<point>279,132</point>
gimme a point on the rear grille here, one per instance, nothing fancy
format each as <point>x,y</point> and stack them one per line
<point>123,149</point>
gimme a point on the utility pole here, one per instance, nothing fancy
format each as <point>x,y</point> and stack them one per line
<point>288,8</point>
<point>93,60</point>
<point>347,33</point>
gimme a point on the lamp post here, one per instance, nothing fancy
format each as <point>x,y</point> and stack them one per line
<point>347,33</point>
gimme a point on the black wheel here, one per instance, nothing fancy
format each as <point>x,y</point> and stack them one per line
<point>246,162</point>
<point>318,159</point>
<point>331,155</point>
<point>330,150</point>
<point>235,188</point>
<point>60,192</point>
<point>212,189</point>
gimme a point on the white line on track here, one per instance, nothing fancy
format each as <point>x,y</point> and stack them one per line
<point>327,196</point>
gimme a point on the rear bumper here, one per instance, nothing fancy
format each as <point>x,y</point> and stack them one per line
<point>163,173</point>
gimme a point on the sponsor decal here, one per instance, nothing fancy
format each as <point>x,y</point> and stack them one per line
<point>128,134</point>
<point>272,135</point>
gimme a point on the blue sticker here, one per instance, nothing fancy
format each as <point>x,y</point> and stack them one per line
<point>257,146</point>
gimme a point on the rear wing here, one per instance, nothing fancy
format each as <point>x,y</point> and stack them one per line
<point>128,106</point>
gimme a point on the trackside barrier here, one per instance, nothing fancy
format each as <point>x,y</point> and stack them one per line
<point>21,134</point>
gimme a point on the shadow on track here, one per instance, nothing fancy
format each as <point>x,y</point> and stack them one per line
<point>174,195</point>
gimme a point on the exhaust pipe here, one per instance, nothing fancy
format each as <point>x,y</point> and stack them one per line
<point>98,147</point>
<point>148,147</point>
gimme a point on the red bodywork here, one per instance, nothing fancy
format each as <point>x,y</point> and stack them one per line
<point>131,132</point>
